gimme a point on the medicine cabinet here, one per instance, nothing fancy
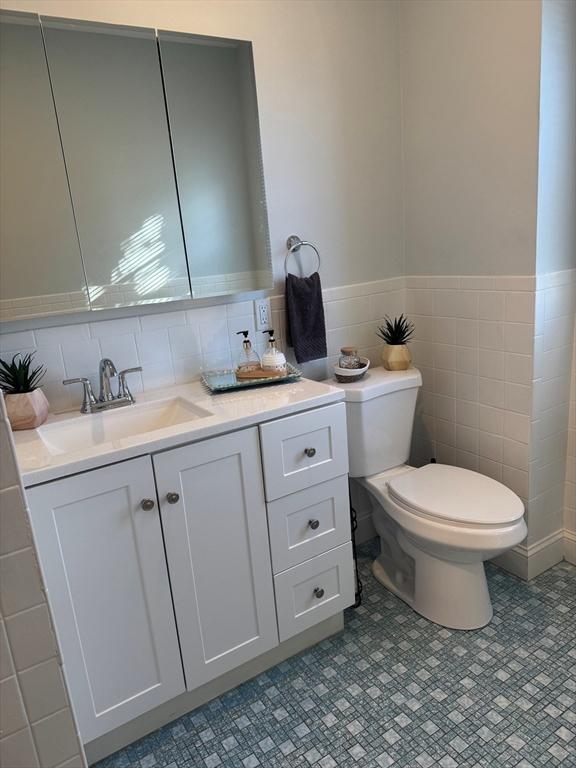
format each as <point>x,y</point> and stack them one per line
<point>131,167</point>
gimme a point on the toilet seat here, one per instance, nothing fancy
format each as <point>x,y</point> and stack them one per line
<point>456,496</point>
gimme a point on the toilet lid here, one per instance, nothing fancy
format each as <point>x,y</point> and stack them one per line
<point>456,494</point>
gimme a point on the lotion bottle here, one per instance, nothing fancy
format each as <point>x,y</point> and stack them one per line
<point>273,360</point>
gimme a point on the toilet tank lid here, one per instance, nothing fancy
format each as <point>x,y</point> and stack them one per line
<point>377,382</point>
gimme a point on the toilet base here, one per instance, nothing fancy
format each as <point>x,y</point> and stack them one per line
<point>454,595</point>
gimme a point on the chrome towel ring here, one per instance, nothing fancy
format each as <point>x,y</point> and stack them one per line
<point>293,244</point>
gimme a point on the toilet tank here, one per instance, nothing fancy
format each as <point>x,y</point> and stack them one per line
<point>380,414</point>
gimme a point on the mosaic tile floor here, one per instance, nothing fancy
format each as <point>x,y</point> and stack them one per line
<point>395,690</point>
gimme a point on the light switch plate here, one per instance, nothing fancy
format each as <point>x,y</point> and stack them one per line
<point>263,314</point>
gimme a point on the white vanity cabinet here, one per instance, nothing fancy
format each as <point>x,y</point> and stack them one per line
<point>99,541</point>
<point>168,571</point>
<point>214,518</point>
<point>102,553</point>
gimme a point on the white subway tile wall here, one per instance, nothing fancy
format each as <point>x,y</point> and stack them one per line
<point>175,347</point>
<point>570,486</point>
<point>494,354</point>
<point>36,722</point>
<point>495,358</point>
<point>473,343</point>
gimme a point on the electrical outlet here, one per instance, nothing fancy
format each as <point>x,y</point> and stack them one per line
<point>263,314</point>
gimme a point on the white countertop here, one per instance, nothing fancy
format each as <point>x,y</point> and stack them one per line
<point>229,411</point>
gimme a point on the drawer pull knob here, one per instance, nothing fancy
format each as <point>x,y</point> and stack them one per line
<point>172,498</point>
<point>147,504</point>
<point>310,452</point>
<point>314,524</point>
<point>318,593</point>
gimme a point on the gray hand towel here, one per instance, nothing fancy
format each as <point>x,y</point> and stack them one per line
<point>305,326</point>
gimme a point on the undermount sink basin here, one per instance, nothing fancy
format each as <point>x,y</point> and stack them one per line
<point>109,426</point>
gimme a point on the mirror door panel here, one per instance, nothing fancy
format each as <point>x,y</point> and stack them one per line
<point>109,99</point>
<point>213,114</point>
<point>40,264</point>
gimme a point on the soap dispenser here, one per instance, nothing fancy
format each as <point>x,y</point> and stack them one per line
<point>273,360</point>
<point>248,360</point>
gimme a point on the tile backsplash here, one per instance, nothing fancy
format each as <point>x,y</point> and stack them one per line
<point>174,347</point>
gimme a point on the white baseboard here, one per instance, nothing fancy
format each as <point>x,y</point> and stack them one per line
<point>529,562</point>
<point>570,546</point>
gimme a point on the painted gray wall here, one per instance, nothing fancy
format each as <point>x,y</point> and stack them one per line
<point>470,77</point>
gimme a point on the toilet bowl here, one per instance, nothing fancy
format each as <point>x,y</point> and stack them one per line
<point>437,524</point>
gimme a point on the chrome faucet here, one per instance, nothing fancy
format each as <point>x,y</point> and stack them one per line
<point>107,369</point>
<point>106,400</point>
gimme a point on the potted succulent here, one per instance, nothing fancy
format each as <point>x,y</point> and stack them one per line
<point>396,334</point>
<point>26,404</point>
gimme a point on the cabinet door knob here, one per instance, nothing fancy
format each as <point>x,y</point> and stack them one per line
<point>314,524</point>
<point>318,593</point>
<point>147,504</point>
<point>172,498</point>
<point>310,452</point>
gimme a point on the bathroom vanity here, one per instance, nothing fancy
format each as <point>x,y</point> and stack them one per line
<point>187,543</point>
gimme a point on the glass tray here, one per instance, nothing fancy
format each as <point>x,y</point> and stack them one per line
<point>226,381</point>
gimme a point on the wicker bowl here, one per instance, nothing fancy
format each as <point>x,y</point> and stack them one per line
<point>349,375</point>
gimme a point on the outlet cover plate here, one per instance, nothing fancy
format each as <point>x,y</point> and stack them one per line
<point>262,314</point>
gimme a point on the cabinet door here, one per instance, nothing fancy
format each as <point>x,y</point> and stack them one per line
<point>112,115</point>
<point>104,565</point>
<point>218,553</point>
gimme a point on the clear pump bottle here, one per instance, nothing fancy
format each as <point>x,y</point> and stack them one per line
<point>248,359</point>
<point>273,359</point>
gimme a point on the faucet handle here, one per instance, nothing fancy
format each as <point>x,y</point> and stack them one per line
<point>89,399</point>
<point>123,390</point>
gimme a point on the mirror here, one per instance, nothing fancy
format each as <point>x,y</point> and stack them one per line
<point>108,93</point>
<point>131,168</point>
<point>40,265</point>
<point>213,114</point>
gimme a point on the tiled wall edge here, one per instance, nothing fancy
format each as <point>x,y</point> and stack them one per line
<point>37,723</point>
<point>570,482</point>
<point>552,460</point>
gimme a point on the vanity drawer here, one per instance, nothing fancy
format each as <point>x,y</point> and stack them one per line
<point>308,523</point>
<point>302,450</point>
<point>314,590</point>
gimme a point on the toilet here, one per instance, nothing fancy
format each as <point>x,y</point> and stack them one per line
<point>437,524</point>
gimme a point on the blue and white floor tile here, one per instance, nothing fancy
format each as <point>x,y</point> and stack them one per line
<point>395,690</point>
